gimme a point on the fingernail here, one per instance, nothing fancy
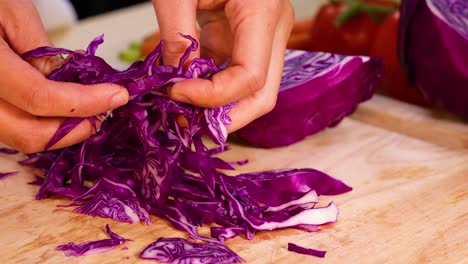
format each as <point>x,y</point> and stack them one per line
<point>119,99</point>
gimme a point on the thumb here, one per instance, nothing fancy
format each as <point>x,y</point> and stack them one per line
<point>77,100</point>
<point>43,97</point>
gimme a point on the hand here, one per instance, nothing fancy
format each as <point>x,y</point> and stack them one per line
<point>251,35</point>
<point>31,106</point>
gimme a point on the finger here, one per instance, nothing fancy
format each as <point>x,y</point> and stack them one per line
<point>29,134</point>
<point>23,86</point>
<point>252,107</point>
<point>180,20</point>
<point>262,102</point>
<point>215,41</point>
<point>46,65</point>
<point>24,30</point>
<point>253,30</point>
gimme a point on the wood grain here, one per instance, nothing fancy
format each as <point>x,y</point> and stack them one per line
<point>408,206</point>
<point>425,124</point>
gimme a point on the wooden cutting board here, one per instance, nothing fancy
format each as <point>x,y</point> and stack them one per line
<point>408,206</point>
<point>408,168</point>
<point>425,124</point>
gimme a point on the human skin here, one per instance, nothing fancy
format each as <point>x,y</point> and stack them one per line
<point>31,106</point>
<point>250,35</point>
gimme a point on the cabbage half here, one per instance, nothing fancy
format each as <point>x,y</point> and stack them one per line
<point>317,91</point>
<point>433,49</point>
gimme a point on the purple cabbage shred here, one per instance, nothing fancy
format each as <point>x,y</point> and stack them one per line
<point>141,162</point>
<point>180,251</point>
<point>7,174</point>
<point>93,247</point>
<point>8,151</point>
<point>306,251</point>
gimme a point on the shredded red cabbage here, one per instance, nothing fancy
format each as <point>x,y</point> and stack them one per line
<point>8,151</point>
<point>93,247</point>
<point>179,251</point>
<point>37,181</point>
<point>306,251</point>
<point>6,174</point>
<point>142,162</point>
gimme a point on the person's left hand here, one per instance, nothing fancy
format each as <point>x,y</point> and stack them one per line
<point>33,107</point>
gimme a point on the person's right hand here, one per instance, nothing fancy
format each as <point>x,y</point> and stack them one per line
<point>32,107</point>
<point>250,35</point>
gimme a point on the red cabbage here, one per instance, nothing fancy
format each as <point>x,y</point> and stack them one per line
<point>308,228</point>
<point>8,151</point>
<point>224,233</point>
<point>93,247</point>
<point>37,181</point>
<point>66,127</point>
<point>433,41</point>
<point>6,174</point>
<point>217,120</point>
<point>317,91</point>
<point>141,162</point>
<point>306,251</point>
<point>180,251</point>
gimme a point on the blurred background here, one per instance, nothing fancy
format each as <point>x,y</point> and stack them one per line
<point>60,14</point>
<point>87,8</point>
